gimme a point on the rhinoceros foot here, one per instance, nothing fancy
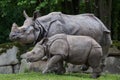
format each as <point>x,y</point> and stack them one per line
<point>94,75</point>
<point>84,67</point>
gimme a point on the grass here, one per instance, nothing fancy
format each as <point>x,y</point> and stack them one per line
<point>73,76</point>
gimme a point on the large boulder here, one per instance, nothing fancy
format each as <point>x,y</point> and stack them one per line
<point>112,65</point>
<point>73,68</point>
<point>9,57</point>
<point>16,68</point>
<point>25,66</point>
<point>114,51</point>
<point>8,60</point>
<point>6,70</point>
<point>37,66</point>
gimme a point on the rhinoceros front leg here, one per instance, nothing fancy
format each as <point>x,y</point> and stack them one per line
<point>51,62</point>
<point>60,68</point>
<point>84,67</point>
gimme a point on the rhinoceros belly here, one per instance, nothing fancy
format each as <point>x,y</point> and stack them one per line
<point>79,49</point>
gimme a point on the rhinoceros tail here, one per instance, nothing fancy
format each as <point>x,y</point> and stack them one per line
<point>106,41</point>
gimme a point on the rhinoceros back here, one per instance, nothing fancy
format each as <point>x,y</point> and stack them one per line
<point>88,25</point>
<point>83,24</point>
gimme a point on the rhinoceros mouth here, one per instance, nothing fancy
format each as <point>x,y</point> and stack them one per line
<point>14,38</point>
<point>18,39</point>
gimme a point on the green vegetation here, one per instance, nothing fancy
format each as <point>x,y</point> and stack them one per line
<point>22,48</point>
<point>116,43</point>
<point>12,11</point>
<point>39,76</point>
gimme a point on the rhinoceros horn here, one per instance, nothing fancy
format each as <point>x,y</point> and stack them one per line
<point>14,26</point>
<point>25,14</point>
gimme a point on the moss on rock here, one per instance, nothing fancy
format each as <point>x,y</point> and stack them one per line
<point>22,48</point>
<point>116,43</point>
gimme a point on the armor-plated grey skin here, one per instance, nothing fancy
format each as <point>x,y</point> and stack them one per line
<point>35,28</point>
<point>73,49</point>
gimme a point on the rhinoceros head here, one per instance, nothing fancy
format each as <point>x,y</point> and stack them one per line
<point>25,33</point>
<point>37,53</point>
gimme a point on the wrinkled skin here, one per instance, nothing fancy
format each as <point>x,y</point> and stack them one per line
<point>22,34</point>
<point>64,47</point>
<point>35,53</point>
<point>56,22</point>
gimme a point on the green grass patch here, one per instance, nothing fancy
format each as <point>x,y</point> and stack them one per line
<point>73,76</point>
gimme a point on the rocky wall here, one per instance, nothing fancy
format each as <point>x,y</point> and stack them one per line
<point>10,62</point>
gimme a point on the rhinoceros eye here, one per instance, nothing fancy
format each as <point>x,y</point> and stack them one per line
<point>24,30</point>
<point>17,32</point>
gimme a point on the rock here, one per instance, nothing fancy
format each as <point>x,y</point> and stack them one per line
<point>6,70</point>
<point>73,68</point>
<point>113,51</point>
<point>9,57</point>
<point>112,65</point>
<point>25,66</point>
<point>38,66</point>
<point>16,68</point>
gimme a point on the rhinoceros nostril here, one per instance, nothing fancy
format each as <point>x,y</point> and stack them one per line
<point>13,36</point>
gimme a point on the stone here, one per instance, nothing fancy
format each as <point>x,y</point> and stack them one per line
<point>73,68</point>
<point>16,68</point>
<point>38,66</point>
<point>113,51</point>
<point>112,65</point>
<point>25,66</point>
<point>9,57</point>
<point>6,70</point>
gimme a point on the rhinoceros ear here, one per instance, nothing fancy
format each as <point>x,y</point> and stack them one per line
<point>44,40</point>
<point>36,14</point>
<point>25,14</point>
<point>14,26</point>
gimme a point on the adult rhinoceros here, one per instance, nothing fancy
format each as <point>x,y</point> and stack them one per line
<point>35,28</point>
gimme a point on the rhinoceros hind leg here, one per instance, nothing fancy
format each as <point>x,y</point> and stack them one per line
<point>94,61</point>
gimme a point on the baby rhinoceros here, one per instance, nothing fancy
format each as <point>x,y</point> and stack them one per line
<point>72,49</point>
